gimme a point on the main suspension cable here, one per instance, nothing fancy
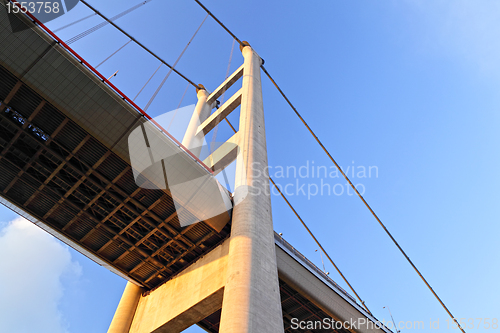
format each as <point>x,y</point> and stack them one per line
<point>139,43</point>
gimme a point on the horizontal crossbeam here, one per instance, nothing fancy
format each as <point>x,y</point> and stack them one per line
<point>224,155</point>
<point>219,115</point>
<point>225,85</point>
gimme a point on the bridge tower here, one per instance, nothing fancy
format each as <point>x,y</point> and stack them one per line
<point>240,276</point>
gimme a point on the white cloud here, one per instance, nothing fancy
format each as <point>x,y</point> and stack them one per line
<point>31,267</point>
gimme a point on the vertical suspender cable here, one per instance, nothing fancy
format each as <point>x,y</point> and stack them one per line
<point>173,66</point>
<point>216,129</point>
<point>112,54</point>
<point>214,135</point>
<point>178,106</point>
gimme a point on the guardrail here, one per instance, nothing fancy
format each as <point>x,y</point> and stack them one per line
<point>310,264</point>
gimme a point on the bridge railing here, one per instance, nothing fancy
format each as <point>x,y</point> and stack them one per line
<point>310,264</point>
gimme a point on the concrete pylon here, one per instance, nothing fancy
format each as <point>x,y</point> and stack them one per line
<point>239,276</point>
<point>201,112</point>
<point>126,309</point>
<point>251,295</point>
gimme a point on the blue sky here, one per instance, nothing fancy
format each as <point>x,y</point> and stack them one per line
<point>408,87</point>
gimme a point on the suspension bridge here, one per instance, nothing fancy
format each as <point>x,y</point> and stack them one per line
<point>67,165</point>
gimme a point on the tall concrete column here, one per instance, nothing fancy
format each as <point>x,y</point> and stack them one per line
<point>126,309</point>
<point>251,294</point>
<point>201,112</point>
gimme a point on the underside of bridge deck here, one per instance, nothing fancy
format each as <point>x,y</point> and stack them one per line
<point>59,174</point>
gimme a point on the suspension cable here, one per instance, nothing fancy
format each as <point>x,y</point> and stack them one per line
<point>138,43</point>
<point>220,23</point>
<point>178,106</point>
<point>105,23</point>
<point>216,129</point>
<point>150,78</point>
<point>173,66</point>
<point>231,125</point>
<point>345,176</point>
<point>318,243</point>
<point>73,23</point>
<point>112,54</point>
